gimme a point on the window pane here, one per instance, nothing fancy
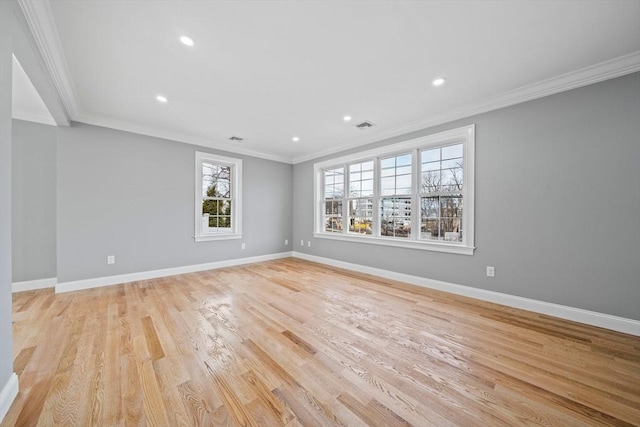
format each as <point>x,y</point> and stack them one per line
<point>396,175</point>
<point>450,164</point>
<point>430,207</point>
<point>452,151</point>
<point>430,229</point>
<point>333,216</point>
<point>388,163</point>
<point>333,183</point>
<point>367,188</point>
<point>367,166</point>
<point>452,177</point>
<point>355,189</point>
<point>210,207</point>
<point>395,217</point>
<point>451,229</point>
<point>360,216</point>
<point>441,218</point>
<point>431,181</point>
<point>403,160</point>
<point>451,206</point>
<point>431,155</point>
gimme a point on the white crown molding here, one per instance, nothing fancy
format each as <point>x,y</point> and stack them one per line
<point>165,272</point>
<point>40,19</point>
<point>29,116</point>
<point>8,394</point>
<point>615,323</point>
<point>602,71</point>
<point>176,136</point>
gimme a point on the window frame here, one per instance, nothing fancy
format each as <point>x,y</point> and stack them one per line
<point>236,197</point>
<point>463,135</point>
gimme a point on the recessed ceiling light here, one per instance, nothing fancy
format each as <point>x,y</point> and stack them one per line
<point>438,82</point>
<point>347,118</point>
<point>188,41</point>
<point>295,139</point>
<point>162,99</point>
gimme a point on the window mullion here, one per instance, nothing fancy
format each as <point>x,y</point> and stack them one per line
<point>415,195</point>
<point>345,199</point>
<point>376,198</point>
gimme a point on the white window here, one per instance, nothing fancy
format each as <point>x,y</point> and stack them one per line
<point>417,194</point>
<point>218,206</point>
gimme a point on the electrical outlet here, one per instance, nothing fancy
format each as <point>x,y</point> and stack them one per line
<point>309,243</point>
<point>111,259</point>
<point>491,271</point>
<point>286,242</point>
<point>301,242</point>
<point>243,246</point>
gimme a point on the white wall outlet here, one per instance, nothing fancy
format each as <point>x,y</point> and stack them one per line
<point>244,246</point>
<point>309,243</point>
<point>111,259</point>
<point>491,271</point>
<point>286,242</point>
<point>301,242</point>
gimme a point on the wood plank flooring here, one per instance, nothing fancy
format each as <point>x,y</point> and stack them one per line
<point>293,343</point>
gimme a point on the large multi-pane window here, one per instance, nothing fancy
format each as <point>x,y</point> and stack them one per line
<point>333,194</point>
<point>395,192</point>
<point>441,185</point>
<point>218,181</point>
<point>361,197</point>
<point>416,194</point>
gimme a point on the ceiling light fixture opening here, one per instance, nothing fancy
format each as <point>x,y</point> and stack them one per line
<point>162,99</point>
<point>347,118</point>
<point>295,139</point>
<point>439,81</point>
<point>187,41</point>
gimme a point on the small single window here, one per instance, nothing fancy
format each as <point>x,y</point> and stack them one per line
<point>218,202</point>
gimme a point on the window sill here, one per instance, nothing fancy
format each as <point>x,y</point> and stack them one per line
<point>212,237</point>
<point>410,244</point>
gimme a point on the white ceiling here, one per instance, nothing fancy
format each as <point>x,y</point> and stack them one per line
<point>270,70</point>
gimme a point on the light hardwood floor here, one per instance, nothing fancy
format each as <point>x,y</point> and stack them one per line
<point>290,342</point>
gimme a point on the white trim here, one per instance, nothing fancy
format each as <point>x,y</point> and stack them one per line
<point>39,17</point>
<point>202,141</point>
<point>41,23</point>
<point>8,394</point>
<point>29,116</point>
<point>605,70</point>
<point>615,323</point>
<point>464,135</point>
<point>435,246</point>
<point>30,285</point>
<point>153,274</point>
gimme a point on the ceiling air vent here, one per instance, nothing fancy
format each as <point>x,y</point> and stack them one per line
<point>365,125</point>
<point>236,139</point>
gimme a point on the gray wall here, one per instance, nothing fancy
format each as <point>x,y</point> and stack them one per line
<point>6,348</point>
<point>132,196</point>
<point>34,201</point>
<point>557,203</point>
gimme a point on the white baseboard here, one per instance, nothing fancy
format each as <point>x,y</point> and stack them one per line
<point>30,285</point>
<point>620,324</point>
<point>153,274</point>
<point>8,394</point>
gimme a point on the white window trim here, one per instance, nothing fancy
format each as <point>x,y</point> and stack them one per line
<point>464,135</point>
<point>236,199</point>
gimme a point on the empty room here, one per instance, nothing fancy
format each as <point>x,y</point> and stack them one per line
<point>319,213</point>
